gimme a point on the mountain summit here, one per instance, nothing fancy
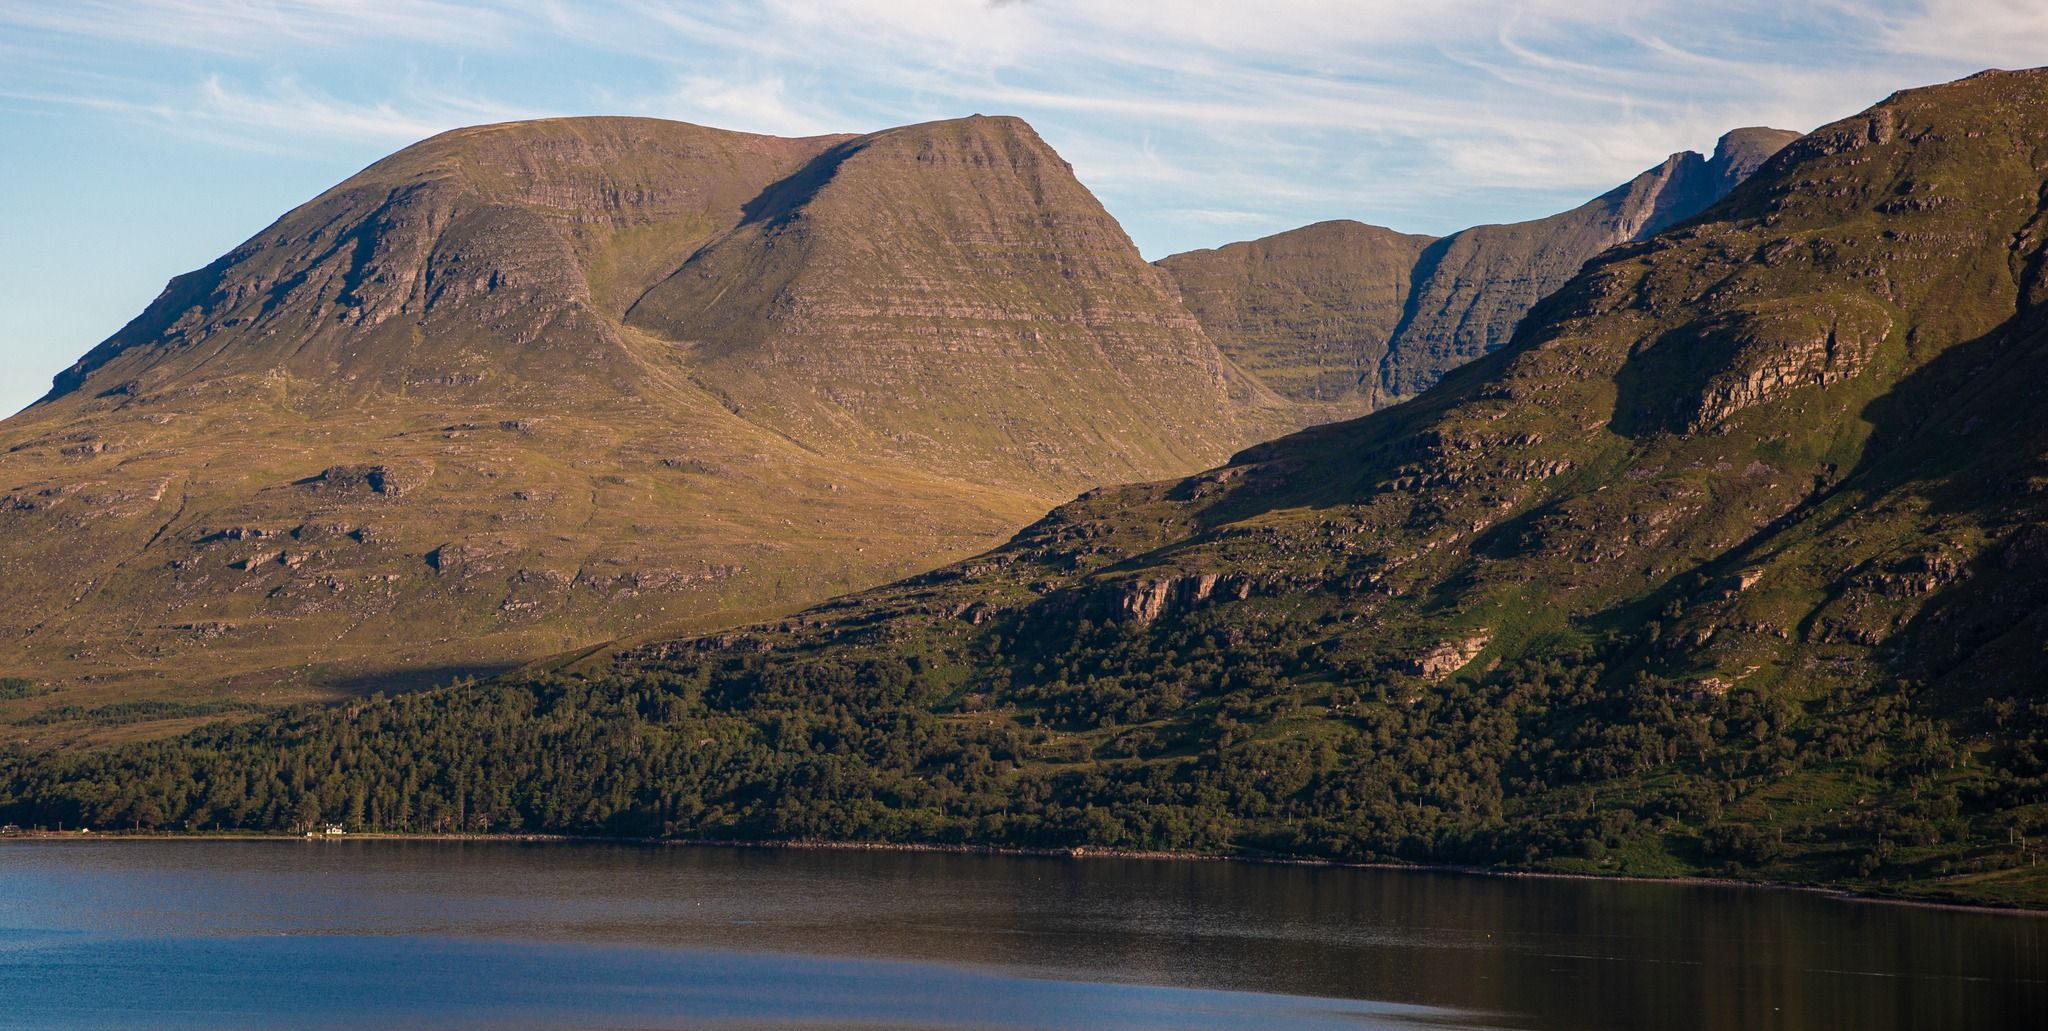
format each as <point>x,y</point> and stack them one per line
<point>538,384</point>
<point>950,295</point>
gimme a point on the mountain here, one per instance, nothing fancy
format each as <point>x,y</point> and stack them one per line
<point>949,295</point>
<point>1474,286</point>
<point>1308,311</point>
<point>525,387</point>
<point>1349,317</point>
<point>1730,562</point>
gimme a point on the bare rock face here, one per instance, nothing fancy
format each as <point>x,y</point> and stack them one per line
<point>1140,602</point>
<point>1473,287</point>
<point>1448,657</point>
<point>1759,353</point>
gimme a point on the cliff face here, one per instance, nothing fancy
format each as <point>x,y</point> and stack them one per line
<point>526,386</point>
<point>1308,311</point>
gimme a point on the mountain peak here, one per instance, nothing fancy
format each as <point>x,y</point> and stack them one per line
<point>1740,152</point>
<point>581,362</point>
<point>1012,280</point>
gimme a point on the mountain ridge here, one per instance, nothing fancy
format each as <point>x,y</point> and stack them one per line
<point>544,383</point>
<point>1458,296</point>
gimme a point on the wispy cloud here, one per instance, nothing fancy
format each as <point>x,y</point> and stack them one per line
<point>281,114</point>
<point>2008,33</point>
<point>763,105</point>
<point>285,105</point>
<point>1366,108</point>
<point>258,27</point>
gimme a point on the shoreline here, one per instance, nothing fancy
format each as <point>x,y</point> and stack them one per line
<point>1082,852</point>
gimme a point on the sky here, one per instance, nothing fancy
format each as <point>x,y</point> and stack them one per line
<point>140,139</point>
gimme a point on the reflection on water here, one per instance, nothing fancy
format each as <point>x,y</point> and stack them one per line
<point>433,934</point>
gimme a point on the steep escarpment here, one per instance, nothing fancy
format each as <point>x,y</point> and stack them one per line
<point>524,387</point>
<point>1731,562</point>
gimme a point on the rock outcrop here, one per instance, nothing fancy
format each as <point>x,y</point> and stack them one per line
<point>1142,601</point>
<point>1447,657</point>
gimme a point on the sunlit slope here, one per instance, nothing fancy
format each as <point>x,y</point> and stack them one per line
<point>411,430</point>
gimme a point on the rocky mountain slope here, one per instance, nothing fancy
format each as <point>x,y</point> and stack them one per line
<point>1731,562</point>
<point>523,387</point>
<point>1349,317</point>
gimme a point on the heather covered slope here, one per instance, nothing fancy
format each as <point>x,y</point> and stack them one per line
<point>451,415</point>
<point>1731,562</point>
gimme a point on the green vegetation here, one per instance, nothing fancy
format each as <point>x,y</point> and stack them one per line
<point>20,687</point>
<point>1538,763</point>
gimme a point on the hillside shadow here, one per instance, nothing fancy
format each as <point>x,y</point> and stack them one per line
<point>779,203</point>
<point>1963,434</point>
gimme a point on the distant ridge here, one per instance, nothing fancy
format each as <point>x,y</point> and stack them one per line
<point>1309,309</point>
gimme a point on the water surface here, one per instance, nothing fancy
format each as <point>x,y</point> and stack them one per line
<point>442,935</point>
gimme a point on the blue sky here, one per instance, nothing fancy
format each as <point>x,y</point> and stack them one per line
<point>144,138</point>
